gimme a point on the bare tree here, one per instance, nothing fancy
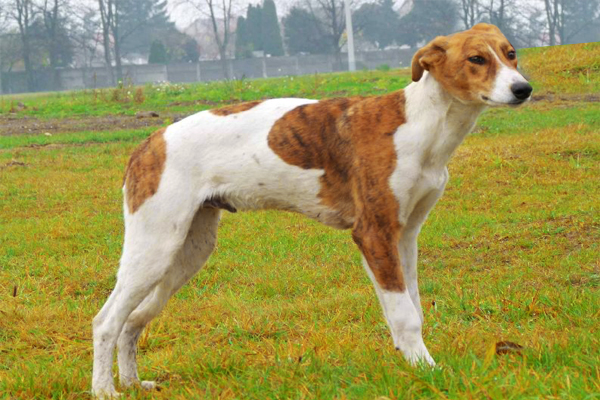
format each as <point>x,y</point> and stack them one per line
<point>2,12</point>
<point>2,15</point>
<point>505,14</point>
<point>118,27</point>
<point>51,10</point>
<point>23,13</point>
<point>533,27</point>
<point>331,14</point>
<point>499,13</point>
<point>84,33</point>
<point>109,24</point>
<point>10,42</point>
<point>555,16</point>
<point>220,13</point>
<point>470,12</point>
<point>568,18</point>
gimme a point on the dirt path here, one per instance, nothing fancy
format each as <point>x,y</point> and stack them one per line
<point>13,125</point>
<point>586,98</point>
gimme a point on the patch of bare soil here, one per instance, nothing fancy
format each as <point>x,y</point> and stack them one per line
<point>586,98</point>
<point>13,125</point>
<point>200,103</point>
<point>13,163</point>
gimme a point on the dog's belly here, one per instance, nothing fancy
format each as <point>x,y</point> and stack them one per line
<point>315,211</point>
<point>289,189</point>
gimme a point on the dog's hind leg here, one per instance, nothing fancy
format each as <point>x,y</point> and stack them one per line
<point>194,253</point>
<point>153,236</point>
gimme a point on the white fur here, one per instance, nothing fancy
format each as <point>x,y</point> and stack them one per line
<point>167,240</point>
<point>505,78</point>
<point>436,125</point>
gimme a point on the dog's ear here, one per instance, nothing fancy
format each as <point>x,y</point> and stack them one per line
<point>431,54</point>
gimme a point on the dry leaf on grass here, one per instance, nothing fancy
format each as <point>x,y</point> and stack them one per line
<point>506,347</point>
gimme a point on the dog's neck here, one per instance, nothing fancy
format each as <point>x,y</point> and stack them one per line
<point>447,121</point>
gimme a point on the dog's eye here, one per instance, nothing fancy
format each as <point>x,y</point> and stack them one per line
<point>511,55</point>
<point>477,60</point>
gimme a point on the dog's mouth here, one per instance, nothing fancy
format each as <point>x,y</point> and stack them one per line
<point>514,103</point>
<point>517,102</point>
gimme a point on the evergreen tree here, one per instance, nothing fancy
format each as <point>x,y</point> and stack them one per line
<point>378,22</point>
<point>158,53</point>
<point>141,22</point>
<point>271,34</point>
<point>243,47</point>
<point>254,27</point>
<point>190,50</point>
<point>304,33</point>
<point>317,27</point>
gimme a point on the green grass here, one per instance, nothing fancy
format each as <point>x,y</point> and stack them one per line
<point>199,96</point>
<point>505,121</point>
<point>284,309</point>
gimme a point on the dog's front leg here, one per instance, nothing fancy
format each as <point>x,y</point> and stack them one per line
<point>379,245</point>
<point>407,245</point>
<point>408,258</point>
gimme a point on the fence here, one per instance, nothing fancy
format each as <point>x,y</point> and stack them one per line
<point>82,78</point>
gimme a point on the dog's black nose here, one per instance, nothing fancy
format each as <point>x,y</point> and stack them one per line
<point>521,90</point>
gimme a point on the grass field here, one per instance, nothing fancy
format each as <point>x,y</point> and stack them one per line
<point>283,309</point>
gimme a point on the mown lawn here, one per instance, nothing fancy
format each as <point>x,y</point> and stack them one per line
<point>284,309</point>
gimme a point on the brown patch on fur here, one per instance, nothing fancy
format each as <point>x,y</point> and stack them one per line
<point>144,170</point>
<point>308,137</point>
<point>235,108</point>
<point>351,139</point>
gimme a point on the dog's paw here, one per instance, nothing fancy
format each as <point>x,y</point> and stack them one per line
<point>424,358</point>
<point>417,355</point>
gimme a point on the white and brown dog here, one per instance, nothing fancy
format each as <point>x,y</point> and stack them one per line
<point>376,165</point>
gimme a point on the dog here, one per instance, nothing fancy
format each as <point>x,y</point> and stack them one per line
<point>375,165</point>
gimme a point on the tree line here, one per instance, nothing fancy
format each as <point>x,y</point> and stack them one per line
<point>51,34</point>
<point>318,26</point>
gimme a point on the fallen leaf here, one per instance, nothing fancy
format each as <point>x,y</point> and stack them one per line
<point>506,347</point>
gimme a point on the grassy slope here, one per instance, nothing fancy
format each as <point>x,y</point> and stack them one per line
<point>284,309</point>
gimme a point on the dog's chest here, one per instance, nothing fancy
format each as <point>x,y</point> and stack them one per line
<point>420,168</point>
<point>411,185</point>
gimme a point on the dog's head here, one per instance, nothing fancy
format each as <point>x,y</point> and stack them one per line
<point>475,66</point>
